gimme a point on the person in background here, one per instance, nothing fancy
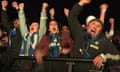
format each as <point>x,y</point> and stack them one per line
<point>3,46</point>
<point>3,37</point>
<point>103,9</point>
<point>52,13</point>
<point>109,34</point>
<point>5,23</point>
<point>93,43</point>
<point>14,4</point>
<point>65,31</point>
<point>116,39</point>
<point>13,35</point>
<point>115,67</point>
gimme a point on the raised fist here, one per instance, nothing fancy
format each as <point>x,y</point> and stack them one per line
<point>83,2</point>
<point>111,20</point>
<point>4,4</point>
<point>14,5</point>
<point>104,6</point>
<point>21,6</point>
<point>66,11</point>
<point>52,12</point>
<point>44,5</point>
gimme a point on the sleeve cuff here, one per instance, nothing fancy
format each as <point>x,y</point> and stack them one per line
<point>103,56</point>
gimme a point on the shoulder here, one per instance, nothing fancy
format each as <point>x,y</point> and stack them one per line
<point>46,37</point>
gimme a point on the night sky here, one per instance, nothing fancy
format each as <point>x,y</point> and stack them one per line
<point>33,7</point>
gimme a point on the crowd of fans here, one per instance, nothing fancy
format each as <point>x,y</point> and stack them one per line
<point>49,38</point>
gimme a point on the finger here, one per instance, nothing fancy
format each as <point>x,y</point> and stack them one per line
<point>98,65</point>
<point>95,62</point>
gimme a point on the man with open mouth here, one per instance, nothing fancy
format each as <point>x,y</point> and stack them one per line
<point>90,43</point>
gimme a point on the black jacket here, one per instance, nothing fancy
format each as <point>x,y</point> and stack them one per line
<point>98,46</point>
<point>16,41</point>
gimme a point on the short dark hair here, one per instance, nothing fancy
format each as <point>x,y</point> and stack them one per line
<point>48,22</point>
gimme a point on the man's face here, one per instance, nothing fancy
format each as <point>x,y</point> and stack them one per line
<point>53,27</point>
<point>65,28</point>
<point>94,28</point>
<point>34,27</point>
<point>16,23</point>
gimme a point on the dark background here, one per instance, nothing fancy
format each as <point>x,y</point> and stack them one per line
<point>33,7</point>
<point>92,8</point>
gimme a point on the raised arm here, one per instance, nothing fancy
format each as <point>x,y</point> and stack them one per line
<point>111,31</point>
<point>52,13</point>
<point>66,12</point>
<point>73,16</point>
<point>75,27</point>
<point>43,20</point>
<point>103,9</point>
<point>4,17</point>
<point>22,18</point>
<point>15,5</point>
